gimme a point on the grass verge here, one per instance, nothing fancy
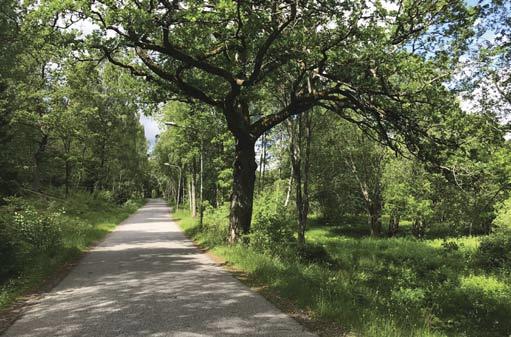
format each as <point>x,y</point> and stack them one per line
<point>389,287</point>
<point>80,221</point>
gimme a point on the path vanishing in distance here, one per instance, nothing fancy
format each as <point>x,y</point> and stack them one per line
<point>147,279</point>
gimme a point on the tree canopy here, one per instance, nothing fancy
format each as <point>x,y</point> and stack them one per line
<point>380,65</point>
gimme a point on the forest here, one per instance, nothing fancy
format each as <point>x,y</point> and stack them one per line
<point>350,159</point>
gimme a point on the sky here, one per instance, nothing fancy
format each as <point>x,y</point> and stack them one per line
<point>151,129</point>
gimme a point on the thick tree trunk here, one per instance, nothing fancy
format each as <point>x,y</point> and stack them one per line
<point>244,174</point>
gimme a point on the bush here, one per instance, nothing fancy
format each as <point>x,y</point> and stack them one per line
<point>316,253</point>
<point>503,214</point>
<point>25,233</point>
<point>42,232</point>
<point>216,224</point>
<point>495,250</point>
<point>271,227</point>
<point>132,204</point>
<point>478,305</point>
<point>8,251</point>
<point>105,196</point>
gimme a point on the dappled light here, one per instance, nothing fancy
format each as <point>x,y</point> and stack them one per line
<point>350,161</point>
<point>147,279</point>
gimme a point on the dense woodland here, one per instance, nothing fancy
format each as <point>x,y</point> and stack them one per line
<point>352,157</point>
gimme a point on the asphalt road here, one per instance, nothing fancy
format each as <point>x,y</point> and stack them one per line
<point>147,279</point>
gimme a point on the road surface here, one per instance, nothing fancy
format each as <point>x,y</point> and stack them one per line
<point>147,279</point>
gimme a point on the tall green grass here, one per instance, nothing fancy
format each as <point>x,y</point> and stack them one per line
<point>82,220</point>
<point>378,287</point>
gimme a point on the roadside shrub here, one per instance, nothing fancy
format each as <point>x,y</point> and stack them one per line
<point>271,227</point>
<point>410,301</point>
<point>8,251</point>
<point>132,204</point>
<point>105,196</point>
<point>495,250</point>
<point>42,232</point>
<point>503,214</point>
<point>216,224</point>
<point>478,305</point>
<point>316,253</point>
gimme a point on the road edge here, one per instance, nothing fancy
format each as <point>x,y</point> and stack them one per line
<point>9,315</point>
<point>320,328</point>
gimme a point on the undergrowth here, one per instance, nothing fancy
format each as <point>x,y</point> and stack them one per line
<point>38,236</point>
<point>375,287</point>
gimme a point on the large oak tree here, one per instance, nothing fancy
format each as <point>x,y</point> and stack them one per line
<point>379,64</point>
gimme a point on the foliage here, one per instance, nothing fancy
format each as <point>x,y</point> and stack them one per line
<point>271,232</point>
<point>380,83</point>
<point>503,216</point>
<point>8,250</point>
<point>43,232</point>
<point>66,122</point>
<point>495,250</point>
<point>486,303</point>
<point>383,287</point>
<point>216,225</point>
<point>381,68</point>
<point>40,235</point>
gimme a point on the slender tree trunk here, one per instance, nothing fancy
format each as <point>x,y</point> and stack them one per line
<point>261,158</point>
<point>38,158</point>
<point>242,197</point>
<point>376,210</point>
<point>193,204</point>
<point>375,219</point>
<point>262,162</point>
<point>68,173</point>
<point>66,142</point>
<point>306,169</point>
<point>372,196</point>
<point>190,193</point>
<point>418,227</point>
<point>394,223</point>
<point>178,197</point>
<point>289,186</point>
<point>299,149</point>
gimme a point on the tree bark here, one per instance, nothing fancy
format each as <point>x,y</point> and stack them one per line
<point>244,174</point>
<point>393,223</point>
<point>262,162</point>
<point>376,208</point>
<point>375,218</point>
<point>189,193</point>
<point>370,188</point>
<point>299,149</point>
<point>193,203</point>
<point>38,158</point>
<point>289,185</point>
<point>67,174</point>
